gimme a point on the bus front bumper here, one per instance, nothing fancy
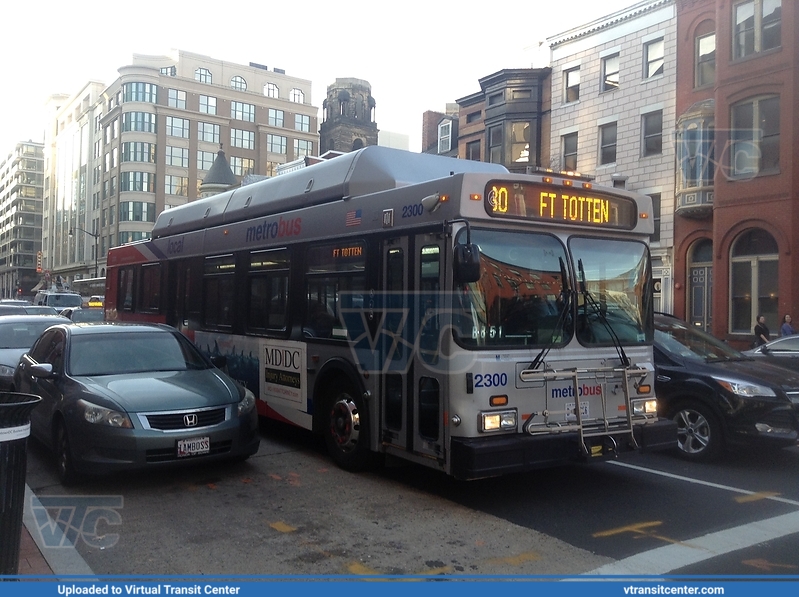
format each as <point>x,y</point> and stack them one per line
<point>477,458</point>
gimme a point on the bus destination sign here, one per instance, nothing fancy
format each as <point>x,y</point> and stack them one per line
<point>544,202</point>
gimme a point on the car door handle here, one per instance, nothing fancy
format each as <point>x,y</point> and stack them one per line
<point>663,378</point>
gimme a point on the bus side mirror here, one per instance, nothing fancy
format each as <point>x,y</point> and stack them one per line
<point>466,265</point>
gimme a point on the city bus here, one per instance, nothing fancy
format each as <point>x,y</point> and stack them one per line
<point>437,310</point>
<point>92,289</point>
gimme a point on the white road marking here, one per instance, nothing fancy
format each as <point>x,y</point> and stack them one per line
<point>678,555</point>
<point>668,558</point>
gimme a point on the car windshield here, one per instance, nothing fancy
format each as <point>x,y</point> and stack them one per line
<point>131,352</point>
<point>679,339</point>
<point>22,334</point>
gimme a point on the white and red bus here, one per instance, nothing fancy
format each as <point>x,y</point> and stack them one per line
<point>439,310</point>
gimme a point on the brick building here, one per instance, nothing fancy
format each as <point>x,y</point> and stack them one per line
<point>737,184</point>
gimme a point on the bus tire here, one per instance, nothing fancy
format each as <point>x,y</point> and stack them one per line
<point>346,430</point>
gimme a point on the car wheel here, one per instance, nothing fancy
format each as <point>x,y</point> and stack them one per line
<point>64,464</point>
<point>699,435</point>
<point>346,431</point>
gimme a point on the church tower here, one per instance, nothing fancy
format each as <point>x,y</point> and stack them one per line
<point>348,117</point>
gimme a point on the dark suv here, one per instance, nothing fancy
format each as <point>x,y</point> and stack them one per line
<point>718,396</point>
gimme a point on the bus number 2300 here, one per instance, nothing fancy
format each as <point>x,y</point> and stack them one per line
<point>490,380</point>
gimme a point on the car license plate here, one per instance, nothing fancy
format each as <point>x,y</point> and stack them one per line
<point>194,446</point>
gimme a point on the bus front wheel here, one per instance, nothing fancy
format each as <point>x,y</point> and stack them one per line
<point>346,431</point>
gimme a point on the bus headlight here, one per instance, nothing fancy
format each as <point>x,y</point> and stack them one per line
<point>645,407</point>
<point>500,420</point>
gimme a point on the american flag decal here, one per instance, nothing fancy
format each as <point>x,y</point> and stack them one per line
<point>353,218</point>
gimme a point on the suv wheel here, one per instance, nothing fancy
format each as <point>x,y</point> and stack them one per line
<point>699,435</point>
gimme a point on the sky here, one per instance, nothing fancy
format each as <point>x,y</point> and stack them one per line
<point>417,55</point>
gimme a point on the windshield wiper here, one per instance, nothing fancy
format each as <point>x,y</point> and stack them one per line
<point>597,309</point>
<point>560,325</point>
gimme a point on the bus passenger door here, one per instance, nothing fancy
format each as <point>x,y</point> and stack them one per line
<point>396,344</point>
<point>429,311</point>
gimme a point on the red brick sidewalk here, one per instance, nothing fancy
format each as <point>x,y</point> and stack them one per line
<point>31,560</point>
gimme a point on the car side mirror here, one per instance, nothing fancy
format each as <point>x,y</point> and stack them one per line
<point>219,361</point>
<point>466,264</point>
<point>42,370</point>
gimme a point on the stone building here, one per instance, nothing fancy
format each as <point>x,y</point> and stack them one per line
<point>348,117</point>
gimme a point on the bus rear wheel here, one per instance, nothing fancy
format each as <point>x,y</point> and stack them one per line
<point>346,431</point>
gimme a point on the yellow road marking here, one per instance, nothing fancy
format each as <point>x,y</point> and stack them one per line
<point>633,528</point>
<point>761,495</point>
<point>516,560</point>
<point>282,527</point>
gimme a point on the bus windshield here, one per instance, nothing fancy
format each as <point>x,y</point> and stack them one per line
<point>525,296</point>
<point>520,298</point>
<point>613,291</point>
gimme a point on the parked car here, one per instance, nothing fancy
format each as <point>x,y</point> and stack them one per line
<point>17,335</point>
<point>12,309</point>
<point>83,314</point>
<point>121,396</point>
<point>718,396</point>
<point>782,351</point>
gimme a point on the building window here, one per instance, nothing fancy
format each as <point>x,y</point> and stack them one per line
<point>275,117</point>
<point>271,90</point>
<point>177,127</point>
<point>169,71</point>
<point>520,142</point>
<point>238,83</point>
<point>495,145</point>
<point>496,98</point>
<point>242,111</point>
<point>271,168</point>
<point>302,123</point>
<point>138,152</point>
<point>656,216</point>
<point>444,137</point>
<point>610,73</point>
<point>203,75</point>
<point>607,144</point>
<point>652,126</point>
<point>276,143</point>
<point>205,159</point>
<point>569,143</point>
<point>136,211</point>
<point>207,104</point>
<point>242,139</point>
<point>653,58</point>
<point>473,151</point>
<point>137,181</point>
<point>177,156</point>
<point>242,166</point>
<point>140,92</point>
<point>571,83</point>
<point>755,143</point>
<point>176,185</point>
<point>473,117</point>
<point>143,122</point>
<point>705,59</point>
<point>302,147</point>
<point>177,99</point>
<point>297,96</point>
<point>208,132</point>
<point>757,26</point>
<point>754,281</point>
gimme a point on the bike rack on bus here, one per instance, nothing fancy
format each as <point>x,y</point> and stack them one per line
<point>573,374</point>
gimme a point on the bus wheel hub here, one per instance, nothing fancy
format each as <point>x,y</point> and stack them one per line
<point>345,424</point>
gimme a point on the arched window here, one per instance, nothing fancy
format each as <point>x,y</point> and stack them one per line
<point>297,96</point>
<point>238,83</point>
<point>754,284</point>
<point>271,90</point>
<point>203,75</point>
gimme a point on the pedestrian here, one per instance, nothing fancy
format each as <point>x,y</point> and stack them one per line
<point>761,331</point>
<point>786,329</point>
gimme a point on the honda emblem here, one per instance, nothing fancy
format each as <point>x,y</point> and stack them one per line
<point>190,420</point>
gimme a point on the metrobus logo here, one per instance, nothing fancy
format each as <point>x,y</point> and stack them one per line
<point>583,390</point>
<point>277,229</point>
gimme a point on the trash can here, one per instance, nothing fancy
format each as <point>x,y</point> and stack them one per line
<point>15,426</point>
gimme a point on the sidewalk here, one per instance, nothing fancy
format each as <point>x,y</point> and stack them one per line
<point>31,559</point>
